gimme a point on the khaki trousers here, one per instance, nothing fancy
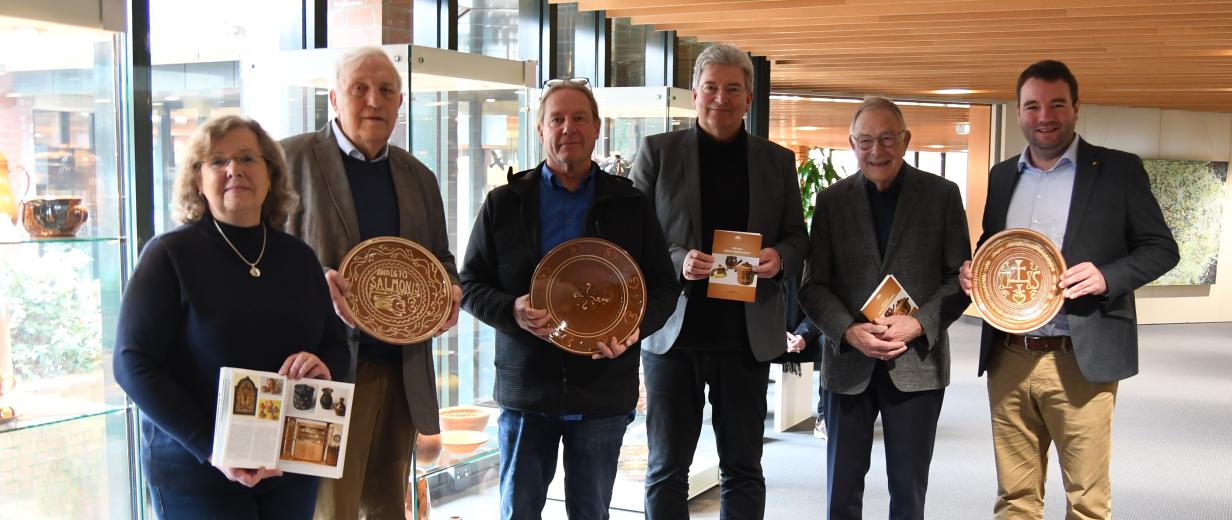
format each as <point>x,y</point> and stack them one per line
<point>1037,398</point>
<point>378,451</point>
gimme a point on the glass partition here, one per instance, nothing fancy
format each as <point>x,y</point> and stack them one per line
<point>631,113</point>
<point>195,50</point>
<point>63,446</point>
<point>488,27</point>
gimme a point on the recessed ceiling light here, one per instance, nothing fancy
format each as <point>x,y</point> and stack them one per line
<point>954,91</point>
<point>936,146</point>
<point>782,97</point>
<point>808,128</point>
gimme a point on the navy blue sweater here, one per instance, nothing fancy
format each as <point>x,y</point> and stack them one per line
<point>191,307</point>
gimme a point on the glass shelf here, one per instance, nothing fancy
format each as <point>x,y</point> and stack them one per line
<point>61,240</point>
<point>447,461</point>
<point>60,413</point>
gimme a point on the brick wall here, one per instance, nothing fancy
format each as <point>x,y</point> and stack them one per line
<point>369,22</point>
<point>56,471</point>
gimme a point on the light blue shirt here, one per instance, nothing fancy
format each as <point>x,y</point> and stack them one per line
<point>1041,203</point>
<point>349,148</point>
<point>562,213</point>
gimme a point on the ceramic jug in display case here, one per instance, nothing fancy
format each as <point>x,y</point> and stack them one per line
<point>8,199</point>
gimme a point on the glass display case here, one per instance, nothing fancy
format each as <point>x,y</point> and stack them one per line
<point>64,451</point>
<point>465,117</point>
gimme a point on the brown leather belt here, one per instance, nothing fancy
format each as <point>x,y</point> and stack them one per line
<point>1039,343</point>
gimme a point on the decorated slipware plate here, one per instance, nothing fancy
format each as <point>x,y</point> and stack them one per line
<point>400,292</point>
<point>593,290</point>
<point>1014,278</point>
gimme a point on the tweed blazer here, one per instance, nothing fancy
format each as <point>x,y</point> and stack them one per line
<point>666,169</point>
<point>327,221</point>
<point>928,245</point>
<point>1115,223</point>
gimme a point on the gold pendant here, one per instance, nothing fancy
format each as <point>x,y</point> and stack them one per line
<point>256,273</point>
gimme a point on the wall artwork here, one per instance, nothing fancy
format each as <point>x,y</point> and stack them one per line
<point>1191,195</point>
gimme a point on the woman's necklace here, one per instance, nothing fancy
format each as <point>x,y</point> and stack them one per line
<point>256,273</point>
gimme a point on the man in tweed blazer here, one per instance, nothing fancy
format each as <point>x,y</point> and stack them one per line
<point>888,218</point>
<point>353,186</point>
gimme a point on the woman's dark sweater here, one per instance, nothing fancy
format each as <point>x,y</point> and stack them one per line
<point>191,307</point>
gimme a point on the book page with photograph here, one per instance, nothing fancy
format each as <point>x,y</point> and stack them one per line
<point>736,254</point>
<point>249,418</point>
<point>315,428</point>
<point>888,299</point>
<point>267,420</point>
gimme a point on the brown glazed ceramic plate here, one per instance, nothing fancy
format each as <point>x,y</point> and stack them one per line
<point>1014,279</point>
<point>400,292</point>
<point>593,290</point>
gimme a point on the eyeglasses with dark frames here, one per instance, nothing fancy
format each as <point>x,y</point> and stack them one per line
<point>887,140</point>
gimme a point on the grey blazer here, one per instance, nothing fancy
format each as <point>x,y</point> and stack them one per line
<point>326,220</point>
<point>1115,223</point>
<point>928,245</point>
<point>666,169</point>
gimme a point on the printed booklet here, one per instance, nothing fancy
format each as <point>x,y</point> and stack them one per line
<point>736,254</point>
<point>267,420</point>
<point>888,299</point>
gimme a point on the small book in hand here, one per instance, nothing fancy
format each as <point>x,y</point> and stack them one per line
<point>889,299</point>
<point>733,275</point>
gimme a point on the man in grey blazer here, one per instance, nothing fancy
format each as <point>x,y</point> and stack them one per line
<point>353,186</point>
<point>1059,382</point>
<point>888,218</point>
<point>716,176</point>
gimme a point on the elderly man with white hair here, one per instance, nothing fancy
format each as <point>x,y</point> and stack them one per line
<point>354,186</point>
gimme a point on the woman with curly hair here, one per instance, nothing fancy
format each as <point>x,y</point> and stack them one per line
<point>226,288</point>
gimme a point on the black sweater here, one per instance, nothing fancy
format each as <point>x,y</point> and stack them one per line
<point>532,375</point>
<point>191,307</point>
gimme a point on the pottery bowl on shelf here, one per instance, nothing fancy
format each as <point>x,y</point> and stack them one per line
<point>53,216</point>
<point>462,442</point>
<point>471,418</point>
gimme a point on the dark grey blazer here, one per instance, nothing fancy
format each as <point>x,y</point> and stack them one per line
<point>667,170</point>
<point>1115,223</point>
<point>927,247</point>
<point>326,220</point>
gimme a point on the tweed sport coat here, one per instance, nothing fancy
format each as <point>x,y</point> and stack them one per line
<point>327,221</point>
<point>928,245</point>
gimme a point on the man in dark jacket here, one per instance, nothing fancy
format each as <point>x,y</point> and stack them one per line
<point>548,395</point>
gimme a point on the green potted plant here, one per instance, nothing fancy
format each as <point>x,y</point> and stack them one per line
<point>816,173</point>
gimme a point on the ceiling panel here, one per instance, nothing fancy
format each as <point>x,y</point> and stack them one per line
<point>812,122</point>
<point>1141,53</point>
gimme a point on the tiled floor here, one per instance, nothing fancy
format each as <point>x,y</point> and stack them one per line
<point>1172,458</point>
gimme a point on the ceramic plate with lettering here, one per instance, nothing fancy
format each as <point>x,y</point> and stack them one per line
<point>400,292</point>
<point>1014,278</point>
<point>592,289</point>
